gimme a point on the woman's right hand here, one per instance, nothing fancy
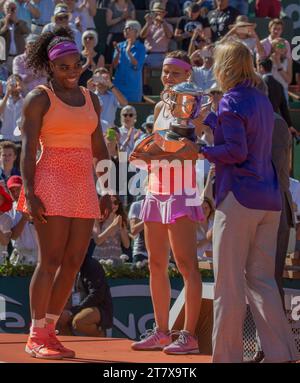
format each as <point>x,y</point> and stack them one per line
<point>36,209</point>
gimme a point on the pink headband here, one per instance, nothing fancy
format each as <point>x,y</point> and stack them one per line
<point>62,49</point>
<point>173,61</point>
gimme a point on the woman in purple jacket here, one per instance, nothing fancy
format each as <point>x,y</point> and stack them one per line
<point>247,216</point>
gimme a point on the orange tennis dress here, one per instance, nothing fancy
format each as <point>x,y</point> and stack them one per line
<point>64,178</point>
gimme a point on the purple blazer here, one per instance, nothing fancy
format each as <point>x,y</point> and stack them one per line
<point>242,151</point>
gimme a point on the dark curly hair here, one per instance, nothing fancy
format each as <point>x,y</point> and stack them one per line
<point>37,56</point>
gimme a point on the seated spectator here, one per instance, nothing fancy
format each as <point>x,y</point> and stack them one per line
<point>8,157</point>
<point>110,97</point>
<point>268,8</point>
<point>203,76</point>
<point>275,29</point>
<point>62,18</point>
<point>30,78</point>
<point>128,61</point>
<point>11,107</point>
<point>91,59</point>
<point>46,9</point>
<point>89,311</point>
<point>282,64</point>
<point>6,221</point>
<point>139,251</point>
<point>276,93</point>
<point>220,19</point>
<point>147,126</point>
<point>26,11</point>
<point>23,232</point>
<point>157,34</point>
<point>128,133</point>
<point>204,231</point>
<point>188,24</point>
<point>88,9</point>
<point>117,13</point>
<point>244,32</point>
<point>14,31</point>
<point>109,235</point>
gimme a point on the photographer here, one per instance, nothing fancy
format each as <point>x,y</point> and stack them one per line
<point>11,107</point>
<point>14,31</point>
<point>203,76</point>
<point>157,34</point>
<point>188,24</point>
<point>110,97</point>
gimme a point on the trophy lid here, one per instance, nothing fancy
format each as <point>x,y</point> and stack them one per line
<point>187,88</point>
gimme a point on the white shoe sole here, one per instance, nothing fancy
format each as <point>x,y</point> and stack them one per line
<point>191,352</point>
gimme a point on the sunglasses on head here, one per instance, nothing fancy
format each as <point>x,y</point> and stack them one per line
<point>128,114</point>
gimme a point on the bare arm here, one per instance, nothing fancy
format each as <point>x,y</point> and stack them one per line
<point>136,226</point>
<point>5,238</point>
<point>124,236</point>
<point>144,31</point>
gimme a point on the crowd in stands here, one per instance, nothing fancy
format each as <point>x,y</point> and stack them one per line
<point>119,75</point>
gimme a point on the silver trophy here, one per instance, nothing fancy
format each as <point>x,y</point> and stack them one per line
<point>185,102</point>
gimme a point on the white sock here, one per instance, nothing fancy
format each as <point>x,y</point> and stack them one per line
<point>52,318</point>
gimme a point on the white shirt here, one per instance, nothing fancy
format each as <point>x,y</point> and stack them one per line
<point>6,224</point>
<point>123,136</point>
<point>10,116</point>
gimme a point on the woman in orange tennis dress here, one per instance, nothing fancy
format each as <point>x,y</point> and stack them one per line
<point>59,189</point>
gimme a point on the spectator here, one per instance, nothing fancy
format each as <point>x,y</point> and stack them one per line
<point>76,15</point>
<point>128,133</point>
<point>8,156</point>
<point>109,235</point>
<point>88,9</point>
<point>268,8</point>
<point>62,18</point>
<point>118,12</point>
<point>26,11</point>
<point>11,107</point>
<point>30,78</point>
<point>188,24</point>
<point>244,32</point>
<point>14,31</point>
<point>112,138</point>
<point>203,76</point>
<point>23,231</point>
<point>220,19</point>
<point>128,61</point>
<point>275,29</point>
<point>282,64</point>
<point>5,220</point>
<point>110,97</point>
<point>46,9</point>
<point>173,10</point>
<point>147,126</point>
<point>89,312</point>
<point>241,5</point>
<point>157,34</point>
<point>204,230</point>
<point>139,251</point>
<point>91,59</point>
<point>276,93</point>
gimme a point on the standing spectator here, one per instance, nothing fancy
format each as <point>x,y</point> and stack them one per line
<point>11,107</point>
<point>46,9</point>
<point>139,251</point>
<point>220,19</point>
<point>14,31</point>
<point>91,59</point>
<point>203,76</point>
<point>128,61</point>
<point>118,12</point>
<point>128,133</point>
<point>8,156</point>
<point>26,11</point>
<point>5,220</point>
<point>282,64</point>
<point>276,93</point>
<point>188,24</point>
<point>88,9</point>
<point>275,29</point>
<point>30,78</point>
<point>267,8</point>
<point>109,235</point>
<point>173,10</point>
<point>23,231</point>
<point>109,95</point>
<point>157,34</point>
<point>90,311</point>
<point>62,18</point>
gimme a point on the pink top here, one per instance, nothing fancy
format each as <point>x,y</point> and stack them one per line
<point>156,40</point>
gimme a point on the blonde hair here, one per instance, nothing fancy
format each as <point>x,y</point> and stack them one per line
<point>233,64</point>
